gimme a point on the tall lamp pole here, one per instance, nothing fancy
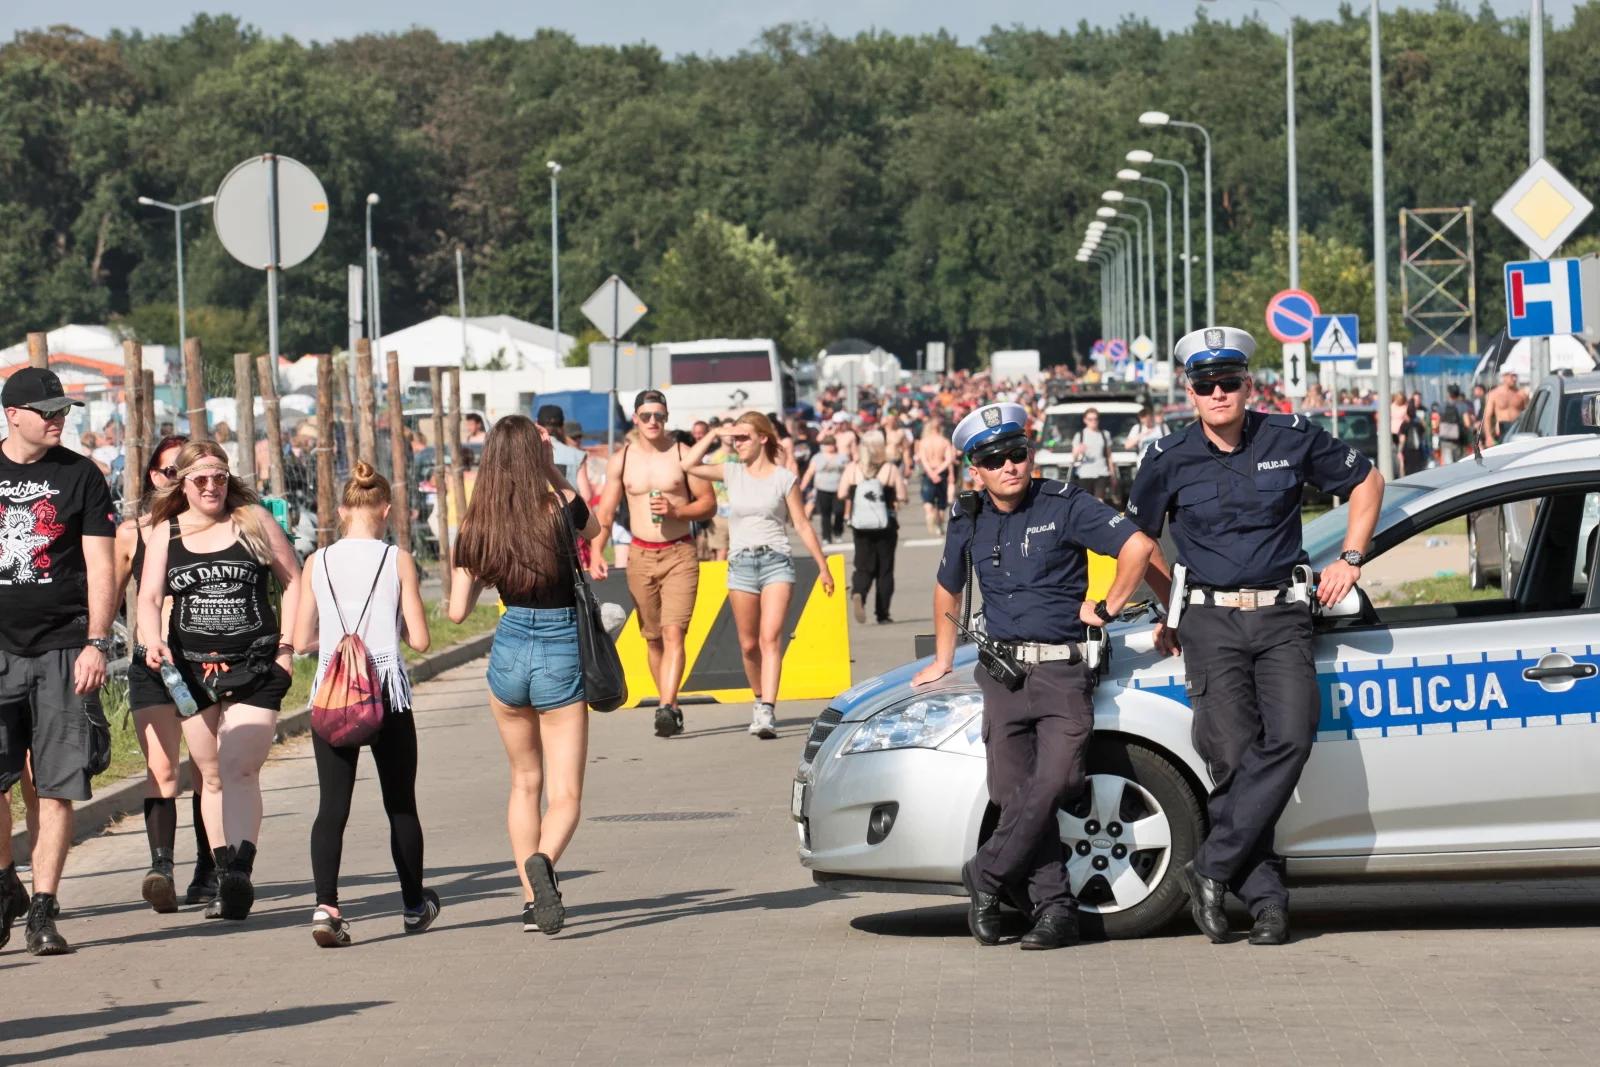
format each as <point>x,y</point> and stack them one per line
<point>1161,118</point>
<point>374,327</point>
<point>1150,262</point>
<point>555,259</point>
<point>177,233</point>
<point>1128,174</point>
<point>1139,155</point>
<point>1140,315</point>
<point>1380,258</point>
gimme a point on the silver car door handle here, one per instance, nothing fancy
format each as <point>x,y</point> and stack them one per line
<point>1577,670</point>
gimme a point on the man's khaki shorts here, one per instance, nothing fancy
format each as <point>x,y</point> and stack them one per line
<point>663,583</point>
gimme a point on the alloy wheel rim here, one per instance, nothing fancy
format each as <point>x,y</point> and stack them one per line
<point>1119,843</point>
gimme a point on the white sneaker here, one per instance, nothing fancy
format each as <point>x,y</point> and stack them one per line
<point>763,724</point>
<point>755,719</point>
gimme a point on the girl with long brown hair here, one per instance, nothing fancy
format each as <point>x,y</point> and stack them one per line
<point>156,719</point>
<point>365,586</point>
<point>763,495</point>
<point>215,550</point>
<point>519,537</point>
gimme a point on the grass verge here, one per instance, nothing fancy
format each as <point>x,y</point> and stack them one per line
<point>1440,589</point>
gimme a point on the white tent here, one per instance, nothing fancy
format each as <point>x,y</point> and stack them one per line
<point>93,346</point>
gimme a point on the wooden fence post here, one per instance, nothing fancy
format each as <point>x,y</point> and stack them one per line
<point>327,523</point>
<point>441,479</point>
<point>134,434</point>
<point>39,351</point>
<point>194,381</point>
<point>267,371</point>
<point>366,402</point>
<point>458,482</point>
<point>399,457</point>
<point>244,399</point>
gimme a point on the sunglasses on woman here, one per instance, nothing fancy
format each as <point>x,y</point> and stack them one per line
<point>169,473</point>
<point>208,479</point>
<point>995,460</point>
<point>739,438</point>
<point>1228,385</point>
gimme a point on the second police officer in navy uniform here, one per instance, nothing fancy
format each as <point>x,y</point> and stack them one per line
<point>1231,484</point>
<point>1027,543</point>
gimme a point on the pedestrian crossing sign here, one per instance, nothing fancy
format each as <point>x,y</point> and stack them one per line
<point>1334,338</point>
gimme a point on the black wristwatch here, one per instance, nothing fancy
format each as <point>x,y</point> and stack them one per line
<point>1100,610</point>
<point>103,644</point>
<point>1352,557</point>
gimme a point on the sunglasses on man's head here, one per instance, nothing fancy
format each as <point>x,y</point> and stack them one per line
<point>995,460</point>
<point>651,416</point>
<point>1209,386</point>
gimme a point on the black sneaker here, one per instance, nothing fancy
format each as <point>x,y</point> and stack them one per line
<point>530,921</point>
<point>203,886</point>
<point>14,902</point>
<point>43,937</point>
<point>158,889</point>
<point>329,930</point>
<point>669,720</point>
<point>548,911</point>
<point>419,920</point>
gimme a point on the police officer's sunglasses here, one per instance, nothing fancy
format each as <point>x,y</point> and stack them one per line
<point>1228,385</point>
<point>995,460</point>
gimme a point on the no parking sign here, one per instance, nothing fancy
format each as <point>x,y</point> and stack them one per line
<point>1289,315</point>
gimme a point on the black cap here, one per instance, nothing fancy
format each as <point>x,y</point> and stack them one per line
<point>649,396</point>
<point>551,417</point>
<point>35,387</point>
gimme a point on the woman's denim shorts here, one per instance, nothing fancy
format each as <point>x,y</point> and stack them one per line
<point>753,569</point>
<point>534,661</point>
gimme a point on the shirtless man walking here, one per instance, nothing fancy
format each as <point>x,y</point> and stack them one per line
<point>1502,406</point>
<point>935,454</point>
<point>663,570</point>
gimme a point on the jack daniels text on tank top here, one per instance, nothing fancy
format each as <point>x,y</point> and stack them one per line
<point>217,599</point>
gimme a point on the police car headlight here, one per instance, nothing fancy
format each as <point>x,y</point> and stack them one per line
<point>921,722</point>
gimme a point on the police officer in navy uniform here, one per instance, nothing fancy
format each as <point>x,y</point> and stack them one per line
<point>1231,484</point>
<point>1027,542</point>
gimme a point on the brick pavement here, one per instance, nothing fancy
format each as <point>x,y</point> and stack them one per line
<point>700,940</point>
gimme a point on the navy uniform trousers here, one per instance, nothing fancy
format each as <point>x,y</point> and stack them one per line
<point>1036,741</point>
<point>1252,682</point>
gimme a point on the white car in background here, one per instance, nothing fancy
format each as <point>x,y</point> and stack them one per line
<point>1459,734</point>
<point>1063,421</point>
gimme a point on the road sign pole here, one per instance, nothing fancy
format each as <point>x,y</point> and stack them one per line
<point>1380,254</point>
<point>611,412</point>
<point>1539,355</point>
<point>273,258</point>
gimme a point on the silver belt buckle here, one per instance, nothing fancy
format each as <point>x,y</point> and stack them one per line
<point>1248,599</point>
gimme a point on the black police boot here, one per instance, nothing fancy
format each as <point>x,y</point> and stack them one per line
<point>158,890</point>
<point>1206,896</point>
<point>1272,926</point>
<point>43,937</point>
<point>1057,928</point>
<point>983,913</point>
<point>13,901</point>
<point>220,859</point>
<point>235,892</point>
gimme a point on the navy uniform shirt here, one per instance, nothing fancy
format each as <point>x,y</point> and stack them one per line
<point>1236,515</point>
<point>1031,564</point>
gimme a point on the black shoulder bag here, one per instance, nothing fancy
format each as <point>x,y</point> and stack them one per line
<point>605,686</point>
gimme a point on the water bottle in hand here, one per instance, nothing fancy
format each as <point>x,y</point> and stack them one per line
<point>179,691</point>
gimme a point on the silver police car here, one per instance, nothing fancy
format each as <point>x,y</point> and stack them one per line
<point>1459,732</point>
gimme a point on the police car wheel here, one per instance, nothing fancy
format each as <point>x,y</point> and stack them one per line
<point>1129,835</point>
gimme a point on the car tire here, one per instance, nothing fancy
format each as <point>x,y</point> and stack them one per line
<point>1184,807</point>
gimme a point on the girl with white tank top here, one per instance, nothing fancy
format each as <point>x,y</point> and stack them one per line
<point>368,585</point>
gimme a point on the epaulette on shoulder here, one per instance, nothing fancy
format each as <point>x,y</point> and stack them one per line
<point>1167,441</point>
<point>1052,487</point>
<point>1290,422</point>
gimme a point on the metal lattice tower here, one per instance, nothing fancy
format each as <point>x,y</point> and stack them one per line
<point>1439,278</point>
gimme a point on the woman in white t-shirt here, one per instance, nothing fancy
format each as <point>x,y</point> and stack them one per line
<point>763,497</point>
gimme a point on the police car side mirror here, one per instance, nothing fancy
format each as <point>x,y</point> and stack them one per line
<point>1352,606</point>
<point>1589,413</point>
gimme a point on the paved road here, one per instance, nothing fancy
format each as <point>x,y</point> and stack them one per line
<point>695,937</point>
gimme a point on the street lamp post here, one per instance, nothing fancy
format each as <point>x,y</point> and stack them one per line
<point>555,258</point>
<point>1139,155</point>
<point>1380,257</point>
<point>1161,118</point>
<point>1141,320</point>
<point>1131,175</point>
<point>1150,263</point>
<point>1125,286</point>
<point>177,232</point>
<point>374,326</point>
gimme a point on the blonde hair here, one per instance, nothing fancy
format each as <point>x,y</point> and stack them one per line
<point>366,488</point>
<point>241,503</point>
<point>873,454</point>
<point>762,427</point>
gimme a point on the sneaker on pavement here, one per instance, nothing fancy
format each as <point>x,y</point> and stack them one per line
<point>669,720</point>
<point>43,937</point>
<point>764,725</point>
<point>419,920</point>
<point>329,930</point>
<point>14,902</point>
<point>530,922</point>
<point>549,913</point>
<point>858,607</point>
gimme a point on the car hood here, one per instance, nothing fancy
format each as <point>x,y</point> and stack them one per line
<point>1131,648</point>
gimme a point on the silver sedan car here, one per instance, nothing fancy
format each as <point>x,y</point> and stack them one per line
<point>1459,733</point>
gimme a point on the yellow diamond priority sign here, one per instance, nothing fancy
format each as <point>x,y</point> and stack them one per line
<point>1542,208</point>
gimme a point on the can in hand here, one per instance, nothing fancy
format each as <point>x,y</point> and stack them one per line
<point>655,516</point>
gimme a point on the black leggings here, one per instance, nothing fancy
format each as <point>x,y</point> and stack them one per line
<point>830,515</point>
<point>394,751</point>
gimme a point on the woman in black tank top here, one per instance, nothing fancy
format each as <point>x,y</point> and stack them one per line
<point>215,550</point>
<point>155,719</point>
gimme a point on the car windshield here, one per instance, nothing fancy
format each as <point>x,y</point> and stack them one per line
<point>1359,430</point>
<point>1571,420</point>
<point>1323,536</point>
<point>1058,429</point>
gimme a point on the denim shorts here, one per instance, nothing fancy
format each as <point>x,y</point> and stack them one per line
<point>753,569</point>
<point>534,660</point>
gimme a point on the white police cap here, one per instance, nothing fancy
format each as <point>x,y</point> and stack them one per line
<point>1215,348</point>
<point>990,423</point>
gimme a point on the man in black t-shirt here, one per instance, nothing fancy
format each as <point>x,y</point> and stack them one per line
<point>56,607</point>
